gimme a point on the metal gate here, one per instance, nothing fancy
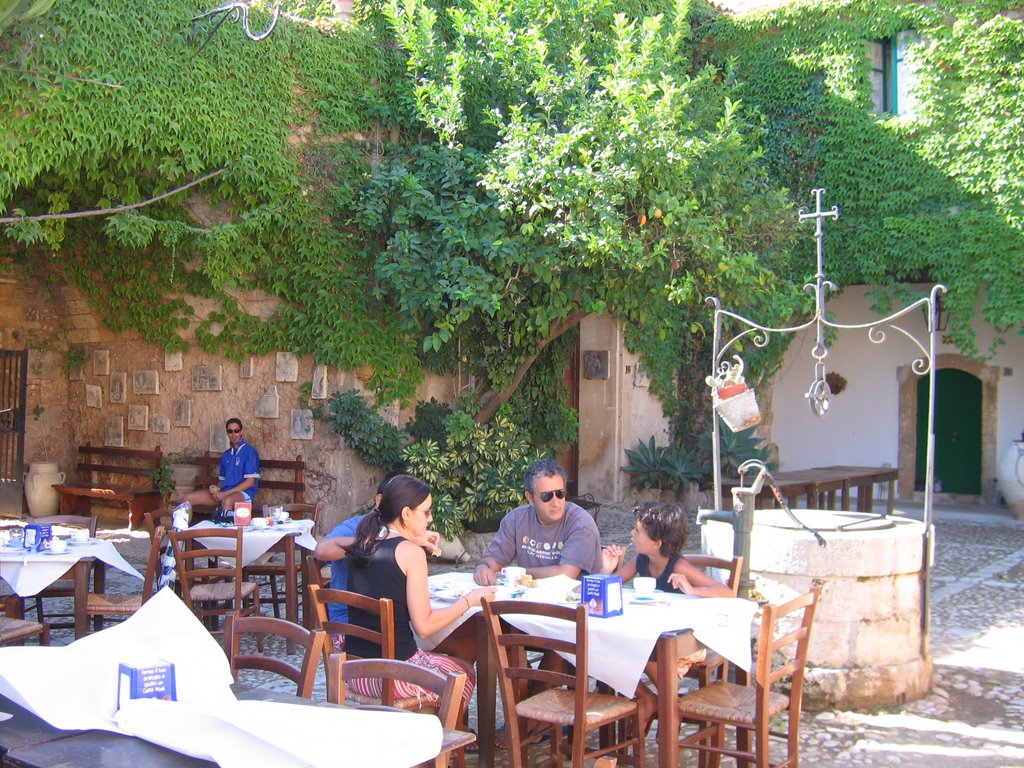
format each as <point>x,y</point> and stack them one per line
<point>13,385</point>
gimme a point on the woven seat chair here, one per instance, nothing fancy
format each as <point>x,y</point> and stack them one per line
<point>263,627</point>
<point>750,709</point>
<point>108,605</point>
<point>273,569</point>
<point>15,631</point>
<point>565,698</point>
<point>218,589</point>
<point>64,587</point>
<point>715,665</point>
<point>448,687</point>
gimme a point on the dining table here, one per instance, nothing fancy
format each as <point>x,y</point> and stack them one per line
<point>66,707</point>
<point>262,542</point>
<point>662,628</point>
<point>28,571</point>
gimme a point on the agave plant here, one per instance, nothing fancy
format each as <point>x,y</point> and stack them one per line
<point>662,467</point>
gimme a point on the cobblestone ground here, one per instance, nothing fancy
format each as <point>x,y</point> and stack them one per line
<point>975,711</point>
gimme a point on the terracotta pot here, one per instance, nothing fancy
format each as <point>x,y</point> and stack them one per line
<point>1010,475</point>
<point>39,481</point>
<point>365,372</point>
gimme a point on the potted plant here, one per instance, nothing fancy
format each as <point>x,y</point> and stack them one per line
<point>185,471</point>
<point>163,479</point>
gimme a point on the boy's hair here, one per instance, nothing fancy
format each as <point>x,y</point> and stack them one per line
<point>664,522</point>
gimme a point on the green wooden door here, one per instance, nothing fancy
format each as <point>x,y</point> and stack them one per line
<point>957,431</point>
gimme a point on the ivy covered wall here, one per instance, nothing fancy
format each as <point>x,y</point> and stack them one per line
<point>933,196</point>
<point>109,104</point>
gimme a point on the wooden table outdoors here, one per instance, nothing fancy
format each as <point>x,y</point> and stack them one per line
<point>26,741</point>
<point>820,488</point>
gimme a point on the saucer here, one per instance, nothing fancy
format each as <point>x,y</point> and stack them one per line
<point>51,552</point>
<point>646,600</point>
<point>80,542</point>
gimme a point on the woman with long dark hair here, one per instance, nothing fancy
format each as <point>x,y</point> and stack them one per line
<point>388,559</point>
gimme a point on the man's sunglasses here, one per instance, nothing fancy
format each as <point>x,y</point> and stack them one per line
<point>234,431</point>
<point>545,496</point>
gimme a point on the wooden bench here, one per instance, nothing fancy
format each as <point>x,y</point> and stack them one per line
<point>275,475</point>
<point>819,488</point>
<point>106,474</point>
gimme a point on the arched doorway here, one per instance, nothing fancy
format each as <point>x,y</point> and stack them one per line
<point>910,405</point>
<point>957,432</point>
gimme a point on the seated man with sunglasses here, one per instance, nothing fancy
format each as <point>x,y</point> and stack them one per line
<point>548,536</point>
<point>239,473</point>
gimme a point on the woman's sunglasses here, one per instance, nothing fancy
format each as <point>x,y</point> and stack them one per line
<point>545,496</point>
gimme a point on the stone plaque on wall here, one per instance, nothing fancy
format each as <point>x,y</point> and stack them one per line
<point>161,423</point>
<point>218,439</point>
<point>319,387</point>
<point>268,406</point>
<point>146,383</point>
<point>206,378</point>
<point>113,432</point>
<point>246,368</point>
<point>138,417</point>
<point>93,396</point>
<point>119,387</point>
<point>287,367</point>
<point>172,362</point>
<point>181,412</point>
<point>101,362</point>
<point>302,424</point>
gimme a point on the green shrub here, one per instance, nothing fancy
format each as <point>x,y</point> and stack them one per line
<point>365,432</point>
<point>477,477</point>
<point>663,467</point>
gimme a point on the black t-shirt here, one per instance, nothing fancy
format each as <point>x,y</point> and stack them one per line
<point>643,568</point>
<point>380,577</point>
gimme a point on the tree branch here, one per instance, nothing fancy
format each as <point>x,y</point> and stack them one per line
<point>494,399</point>
<point>109,211</point>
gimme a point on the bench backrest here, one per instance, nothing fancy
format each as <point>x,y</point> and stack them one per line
<point>103,464</point>
<point>275,474</point>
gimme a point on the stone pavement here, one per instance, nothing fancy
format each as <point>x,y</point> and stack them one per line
<point>975,711</point>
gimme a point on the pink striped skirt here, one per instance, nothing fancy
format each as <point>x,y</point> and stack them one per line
<point>438,662</point>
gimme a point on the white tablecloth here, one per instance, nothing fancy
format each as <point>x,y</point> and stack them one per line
<point>620,646</point>
<point>29,572</point>
<point>75,687</point>
<point>257,541</point>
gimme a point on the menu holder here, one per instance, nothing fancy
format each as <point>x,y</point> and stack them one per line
<point>601,593</point>
<point>146,681</point>
<point>243,512</point>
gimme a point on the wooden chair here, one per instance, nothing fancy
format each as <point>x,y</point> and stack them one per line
<point>217,589</point>
<point>311,640</point>
<point>715,665</point>
<point>317,572</point>
<point>750,709</point>
<point>566,698</point>
<point>15,630</point>
<point>64,587</point>
<point>341,670</point>
<point>273,568</point>
<point>106,605</point>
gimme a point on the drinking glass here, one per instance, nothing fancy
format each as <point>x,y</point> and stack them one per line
<point>17,538</point>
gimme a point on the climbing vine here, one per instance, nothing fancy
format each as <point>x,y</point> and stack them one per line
<point>936,195</point>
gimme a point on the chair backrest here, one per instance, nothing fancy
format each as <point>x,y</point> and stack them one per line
<point>188,554</point>
<point>311,640</point>
<point>513,648</point>
<point>778,633</point>
<point>733,567</point>
<point>449,687</point>
<point>70,521</point>
<point>156,544</point>
<point>314,572</point>
<point>304,512</point>
<point>383,607</point>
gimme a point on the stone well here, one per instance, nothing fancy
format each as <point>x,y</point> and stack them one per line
<point>866,648</point>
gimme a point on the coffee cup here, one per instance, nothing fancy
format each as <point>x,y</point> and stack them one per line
<point>79,534</point>
<point>58,546</point>
<point>644,585</point>
<point>260,522</point>
<point>512,574</point>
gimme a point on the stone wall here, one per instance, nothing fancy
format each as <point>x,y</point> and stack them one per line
<point>131,393</point>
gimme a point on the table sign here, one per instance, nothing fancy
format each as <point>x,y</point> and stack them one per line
<point>146,681</point>
<point>243,512</point>
<point>602,594</point>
